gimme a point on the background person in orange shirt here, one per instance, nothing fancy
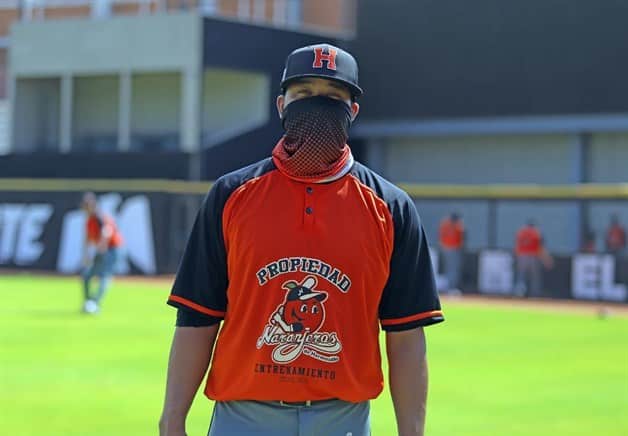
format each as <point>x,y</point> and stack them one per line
<point>451,237</point>
<point>531,257</point>
<point>615,237</point>
<point>100,252</point>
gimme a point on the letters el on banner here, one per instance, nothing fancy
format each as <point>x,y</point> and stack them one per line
<point>593,278</point>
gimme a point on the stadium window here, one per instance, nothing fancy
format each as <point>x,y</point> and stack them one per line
<point>95,125</point>
<point>259,10</point>
<point>155,111</point>
<point>293,12</point>
<point>36,115</point>
<point>209,7</point>
<point>244,9</point>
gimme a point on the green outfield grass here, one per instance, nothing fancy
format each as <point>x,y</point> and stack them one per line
<point>493,370</point>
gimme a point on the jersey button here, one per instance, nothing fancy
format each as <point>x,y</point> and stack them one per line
<point>309,189</point>
<point>308,210</point>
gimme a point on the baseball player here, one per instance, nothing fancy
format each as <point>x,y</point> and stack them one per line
<point>100,253</point>
<point>615,237</point>
<point>300,259</point>
<point>532,256</point>
<point>451,237</point>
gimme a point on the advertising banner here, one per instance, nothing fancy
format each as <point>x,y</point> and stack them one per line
<point>46,231</point>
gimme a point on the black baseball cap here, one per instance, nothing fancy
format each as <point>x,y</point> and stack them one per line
<point>323,61</point>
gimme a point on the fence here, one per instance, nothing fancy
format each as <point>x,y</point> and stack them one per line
<point>40,227</point>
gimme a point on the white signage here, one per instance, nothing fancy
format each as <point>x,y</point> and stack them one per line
<point>495,272</point>
<point>21,228</point>
<point>593,278</point>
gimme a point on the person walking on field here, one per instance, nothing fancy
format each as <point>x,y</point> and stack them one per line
<point>292,266</point>
<point>100,252</point>
<point>452,237</point>
<point>531,257</point>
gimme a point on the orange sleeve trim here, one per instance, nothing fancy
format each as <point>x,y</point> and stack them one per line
<point>197,307</point>
<point>417,317</point>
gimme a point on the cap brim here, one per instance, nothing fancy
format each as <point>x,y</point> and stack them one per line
<point>320,296</point>
<point>355,90</point>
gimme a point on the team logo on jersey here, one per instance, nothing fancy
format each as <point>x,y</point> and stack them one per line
<point>294,327</point>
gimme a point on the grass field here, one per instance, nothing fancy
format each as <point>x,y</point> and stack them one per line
<point>493,370</point>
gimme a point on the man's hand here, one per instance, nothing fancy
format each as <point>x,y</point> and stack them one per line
<point>172,426</point>
<point>190,355</point>
<point>546,259</point>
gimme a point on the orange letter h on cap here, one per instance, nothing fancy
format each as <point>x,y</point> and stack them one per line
<point>319,57</point>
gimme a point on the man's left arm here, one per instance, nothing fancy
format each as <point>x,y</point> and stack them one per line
<point>544,256</point>
<point>409,303</point>
<point>407,373</point>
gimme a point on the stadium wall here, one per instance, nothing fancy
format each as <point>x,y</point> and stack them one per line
<point>516,158</point>
<point>104,165</point>
<point>609,157</point>
<point>535,159</point>
<point>41,229</point>
<point>428,59</point>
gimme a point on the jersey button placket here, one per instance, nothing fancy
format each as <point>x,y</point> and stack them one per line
<point>309,207</point>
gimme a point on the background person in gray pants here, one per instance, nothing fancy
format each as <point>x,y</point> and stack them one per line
<point>452,237</point>
<point>531,257</point>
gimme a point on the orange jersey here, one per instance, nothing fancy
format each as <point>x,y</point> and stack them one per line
<point>528,242</point>
<point>451,234</point>
<point>303,275</point>
<point>616,238</point>
<point>95,226</point>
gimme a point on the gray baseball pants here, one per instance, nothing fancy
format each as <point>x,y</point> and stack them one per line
<point>453,267</point>
<point>530,275</point>
<point>270,418</point>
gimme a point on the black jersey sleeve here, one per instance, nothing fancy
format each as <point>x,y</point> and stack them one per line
<point>410,298</point>
<point>200,286</point>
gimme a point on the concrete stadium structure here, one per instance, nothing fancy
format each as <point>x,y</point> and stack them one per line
<point>482,93</point>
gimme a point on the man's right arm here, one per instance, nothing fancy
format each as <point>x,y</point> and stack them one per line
<point>190,355</point>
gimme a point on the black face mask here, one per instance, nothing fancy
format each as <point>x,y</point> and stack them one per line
<point>316,122</point>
